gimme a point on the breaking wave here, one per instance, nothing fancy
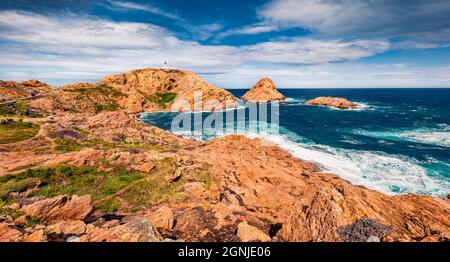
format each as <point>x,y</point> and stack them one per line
<point>391,174</point>
<point>433,136</point>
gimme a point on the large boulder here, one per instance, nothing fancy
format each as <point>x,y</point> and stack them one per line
<point>138,230</point>
<point>163,218</point>
<point>10,233</point>
<point>60,208</point>
<point>262,92</point>
<point>249,233</point>
<point>337,102</point>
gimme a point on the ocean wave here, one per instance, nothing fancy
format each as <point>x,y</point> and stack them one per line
<point>391,174</point>
<point>433,136</point>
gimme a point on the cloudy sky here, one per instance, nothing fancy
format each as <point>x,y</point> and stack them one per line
<point>298,43</point>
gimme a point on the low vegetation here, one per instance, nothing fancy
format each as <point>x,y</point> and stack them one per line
<point>117,188</point>
<point>16,131</point>
<point>100,89</point>
<point>162,99</point>
<point>73,145</point>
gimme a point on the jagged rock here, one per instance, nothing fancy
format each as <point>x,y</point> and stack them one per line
<point>249,233</point>
<point>73,227</point>
<point>139,230</point>
<point>163,218</point>
<point>10,90</point>
<point>263,91</point>
<point>10,233</point>
<point>336,102</point>
<point>148,82</point>
<point>36,236</point>
<point>60,208</point>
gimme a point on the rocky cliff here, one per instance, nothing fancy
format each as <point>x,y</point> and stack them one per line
<point>263,91</point>
<point>143,90</point>
<point>91,171</point>
<point>336,102</point>
<point>151,185</point>
<point>10,90</point>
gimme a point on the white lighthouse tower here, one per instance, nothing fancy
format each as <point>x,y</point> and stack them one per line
<point>165,66</point>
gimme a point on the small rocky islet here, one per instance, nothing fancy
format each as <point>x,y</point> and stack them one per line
<point>83,167</point>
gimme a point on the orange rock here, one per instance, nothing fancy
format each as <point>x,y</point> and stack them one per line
<point>336,102</point>
<point>10,233</point>
<point>73,227</point>
<point>60,208</point>
<point>36,236</point>
<point>10,90</point>
<point>264,91</point>
<point>139,230</point>
<point>163,218</point>
<point>249,233</point>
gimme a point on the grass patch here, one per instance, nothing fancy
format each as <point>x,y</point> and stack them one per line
<point>154,189</point>
<point>14,213</point>
<point>111,106</point>
<point>18,186</point>
<point>106,188</point>
<point>109,205</point>
<point>162,99</point>
<point>100,89</point>
<point>16,131</point>
<point>67,145</point>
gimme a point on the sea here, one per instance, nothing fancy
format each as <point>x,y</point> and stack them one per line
<point>397,142</point>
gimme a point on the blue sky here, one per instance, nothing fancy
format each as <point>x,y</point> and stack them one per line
<point>298,43</point>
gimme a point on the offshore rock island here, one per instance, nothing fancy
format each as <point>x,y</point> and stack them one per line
<point>77,165</point>
<point>262,92</point>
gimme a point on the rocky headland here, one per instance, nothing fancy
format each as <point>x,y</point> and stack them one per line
<point>336,102</point>
<point>84,174</point>
<point>143,90</point>
<point>263,91</point>
<point>10,90</point>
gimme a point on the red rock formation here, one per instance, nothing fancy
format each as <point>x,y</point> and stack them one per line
<point>336,102</point>
<point>263,91</point>
<point>10,90</point>
<point>60,208</point>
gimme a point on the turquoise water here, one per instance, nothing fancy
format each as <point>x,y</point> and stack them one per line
<point>397,143</point>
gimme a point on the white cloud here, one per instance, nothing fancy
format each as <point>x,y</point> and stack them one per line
<point>313,51</point>
<point>69,49</point>
<point>121,5</point>
<point>248,30</point>
<point>359,18</point>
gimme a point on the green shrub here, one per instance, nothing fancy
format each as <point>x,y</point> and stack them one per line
<point>12,132</point>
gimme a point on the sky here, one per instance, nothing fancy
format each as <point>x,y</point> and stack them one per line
<point>297,43</point>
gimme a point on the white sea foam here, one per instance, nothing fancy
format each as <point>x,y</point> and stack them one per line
<point>391,174</point>
<point>432,136</point>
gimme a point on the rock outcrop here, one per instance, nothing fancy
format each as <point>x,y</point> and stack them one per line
<point>60,208</point>
<point>143,90</point>
<point>336,102</point>
<point>262,92</point>
<point>135,182</point>
<point>10,90</point>
<point>10,233</point>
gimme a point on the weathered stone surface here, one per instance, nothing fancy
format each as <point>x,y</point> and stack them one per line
<point>36,236</point>
<point>10,233</point>
<point>336,102</point>
<point>139,230</point>
<point>249,233</point>
<point>263,91</point>
<point>72,227</point>
<point>60,208</point>
<point>10,90</point>
<point>163,218</point>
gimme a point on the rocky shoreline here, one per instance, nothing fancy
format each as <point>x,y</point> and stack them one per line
<point>98,173</point>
